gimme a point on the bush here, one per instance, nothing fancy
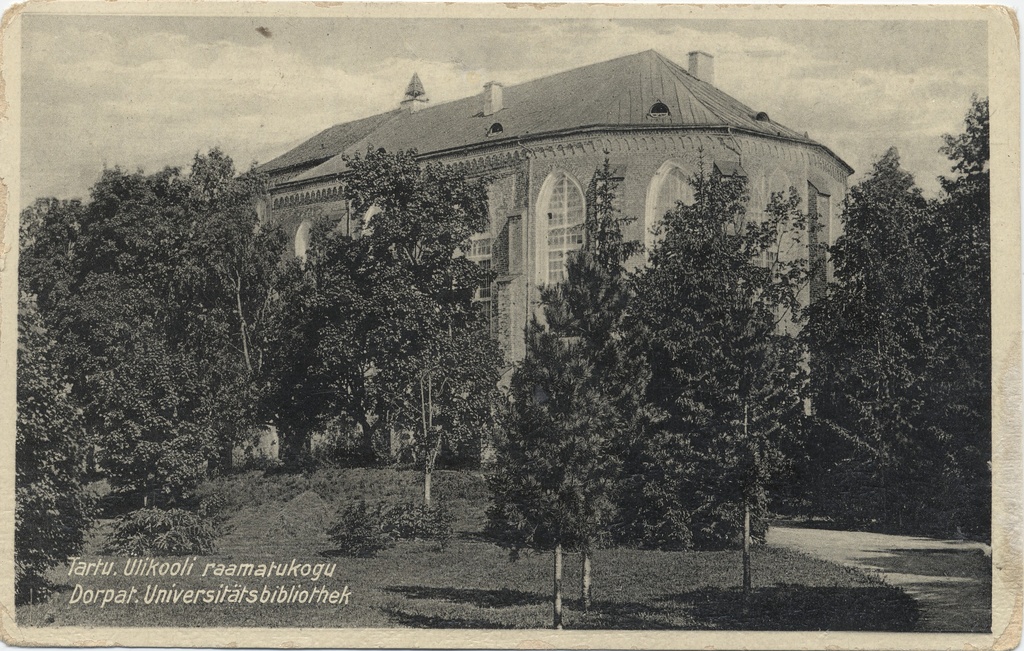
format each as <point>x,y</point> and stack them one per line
<point>363,531</point>
<point>359,531</point>
<point>157,532</point>
<point>408,521</point>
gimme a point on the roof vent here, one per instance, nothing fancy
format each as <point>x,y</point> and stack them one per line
<point>658,110</point>
<point>762,117</point>
<point>702,66</point>
<point>415,95</point>
<point>495,129</point>
<point>492,98</point>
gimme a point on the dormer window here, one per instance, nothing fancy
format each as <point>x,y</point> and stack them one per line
<point>762,117</point>
<point>659,110</point>
<point>495,129</point>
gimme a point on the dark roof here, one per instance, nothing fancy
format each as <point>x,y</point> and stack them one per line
<point>613,94</point>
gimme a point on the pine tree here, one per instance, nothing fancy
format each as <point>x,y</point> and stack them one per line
<point>557,471</point>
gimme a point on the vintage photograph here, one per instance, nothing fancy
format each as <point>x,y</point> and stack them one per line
<point>563,320</point>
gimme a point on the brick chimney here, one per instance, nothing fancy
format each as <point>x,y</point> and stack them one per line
<point>492,98</point>
<point>702,66</point>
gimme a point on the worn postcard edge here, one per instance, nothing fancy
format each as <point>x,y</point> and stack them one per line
<point>1007,528</point>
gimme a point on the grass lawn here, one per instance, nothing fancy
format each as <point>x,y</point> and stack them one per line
<point>472,583</point>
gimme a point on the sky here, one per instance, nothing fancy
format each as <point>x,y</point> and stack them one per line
<point>148,92</point>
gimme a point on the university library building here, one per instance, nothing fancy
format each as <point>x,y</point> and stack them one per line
<point>539,143</point>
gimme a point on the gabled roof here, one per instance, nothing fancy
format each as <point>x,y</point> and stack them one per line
<point>613,94</point>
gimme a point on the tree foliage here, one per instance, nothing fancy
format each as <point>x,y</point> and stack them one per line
<point>901,350</point>
<point>725,379</point>
<point>160,289</point>
<point>557,472</point>
<point>372,318</point>
<point>52,512</point>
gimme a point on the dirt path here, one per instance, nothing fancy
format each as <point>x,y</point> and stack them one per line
<point>951,580</point>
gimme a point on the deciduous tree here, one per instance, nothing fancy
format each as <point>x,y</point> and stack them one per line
<point>52,511</point>
<point>391,311</point>
<point>725,377</point>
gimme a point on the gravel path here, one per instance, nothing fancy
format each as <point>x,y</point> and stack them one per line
<point>951,580</point>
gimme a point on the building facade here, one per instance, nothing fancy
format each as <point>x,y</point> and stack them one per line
<point>539,143</point>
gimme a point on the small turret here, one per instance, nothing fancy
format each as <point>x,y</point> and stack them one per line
<point>415,95</point>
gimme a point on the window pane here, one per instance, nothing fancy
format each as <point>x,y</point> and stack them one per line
<point>565,226</point>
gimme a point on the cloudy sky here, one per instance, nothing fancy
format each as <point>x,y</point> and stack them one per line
<point>145,92</point>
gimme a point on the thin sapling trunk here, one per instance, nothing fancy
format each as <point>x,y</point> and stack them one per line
<point>585,587</point>
<point>558,587</point>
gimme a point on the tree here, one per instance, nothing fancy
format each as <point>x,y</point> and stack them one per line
<point>726,380</point>
<point>556,473</point>
<point>145,286</point>
<point>234,274</point>
<point>390,312</point>
<point>868,341</point>
<point>956,244</point>
<point>52,511</point>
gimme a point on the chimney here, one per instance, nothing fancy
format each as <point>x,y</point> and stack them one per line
<point>492,98</point>
<point>415,95</point>
<point>702,66</point>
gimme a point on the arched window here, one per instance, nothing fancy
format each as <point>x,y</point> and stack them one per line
<point>302,239</point>
<point>670,185</point>
<point>561,213</point>
<point>659,110</point>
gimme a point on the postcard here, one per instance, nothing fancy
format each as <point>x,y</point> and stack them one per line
<point>417,325</point>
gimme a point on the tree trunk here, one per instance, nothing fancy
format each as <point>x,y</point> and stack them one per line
<point>426,487</point>
<point>241,319</point>
<point>746,513</point>
<point>292,446</point>
<point>585,589</point>
<point>746,547</point>
<point>365,452</point>
<point>558,587</point>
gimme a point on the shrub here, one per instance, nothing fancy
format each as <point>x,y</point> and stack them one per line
<point>358,531</point>
<point>362,530</point>
<point>406,521</point>
<point>158,532</point>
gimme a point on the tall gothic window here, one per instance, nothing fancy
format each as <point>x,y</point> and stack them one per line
<point>563,216</point>
<point>302,239</point>
<point>480,252</point>
<point>669,186</point>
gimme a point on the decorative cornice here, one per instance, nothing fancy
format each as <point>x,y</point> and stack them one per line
<point>518,147</point>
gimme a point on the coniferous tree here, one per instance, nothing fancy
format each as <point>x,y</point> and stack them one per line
<point>726,379</point>
<point>557,470</point>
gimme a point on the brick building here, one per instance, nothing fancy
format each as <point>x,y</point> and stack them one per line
<point>540,142</point>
